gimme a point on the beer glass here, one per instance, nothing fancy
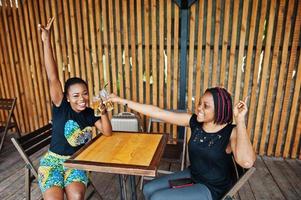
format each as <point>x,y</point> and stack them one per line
<point>105,96</point>
<point>95,106</point>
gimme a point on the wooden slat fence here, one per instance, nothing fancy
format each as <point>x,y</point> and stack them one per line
<point>250,47</point>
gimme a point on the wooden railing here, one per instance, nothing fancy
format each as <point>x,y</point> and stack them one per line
<point>250,47</point>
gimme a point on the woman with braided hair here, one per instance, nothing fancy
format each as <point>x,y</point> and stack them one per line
<point>213,139</point>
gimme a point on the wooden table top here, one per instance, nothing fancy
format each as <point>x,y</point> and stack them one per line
<point>122,153</point>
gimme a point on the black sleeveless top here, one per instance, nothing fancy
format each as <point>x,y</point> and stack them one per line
<point>210,164</point>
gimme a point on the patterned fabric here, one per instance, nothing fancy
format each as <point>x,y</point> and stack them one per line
<point>74,135</point>
<point>53,173</point>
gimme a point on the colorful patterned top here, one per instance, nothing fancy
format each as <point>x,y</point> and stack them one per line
<point>71,130</point>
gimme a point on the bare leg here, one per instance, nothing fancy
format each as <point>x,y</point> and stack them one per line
<point>54,193</point>
<point>75,191</point>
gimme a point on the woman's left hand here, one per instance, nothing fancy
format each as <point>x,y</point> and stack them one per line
<point>240,109</point>
<point>115,99</point>
<point>45,30</point>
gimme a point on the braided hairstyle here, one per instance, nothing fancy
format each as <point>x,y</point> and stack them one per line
<point>223,110</point>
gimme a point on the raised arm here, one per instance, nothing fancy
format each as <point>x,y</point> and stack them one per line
<point>240,143</point>
<point>181,119</point>
<point>55,86</point>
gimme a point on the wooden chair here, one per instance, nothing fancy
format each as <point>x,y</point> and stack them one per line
<point>31,144</point>
<point>241,176</point>
<point>8,105</point>
<point>126,121</point>
<point>175,150</point>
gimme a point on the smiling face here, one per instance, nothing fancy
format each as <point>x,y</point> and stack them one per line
<point>205,110</point>
<point>78,96</point>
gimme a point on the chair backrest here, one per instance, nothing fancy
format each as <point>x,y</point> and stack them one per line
<point>241,176</point>
<point>126,121</point>
<point>9,122</point>
<point>8,105</point>
<point>32,143</point>
<point>176,149</point>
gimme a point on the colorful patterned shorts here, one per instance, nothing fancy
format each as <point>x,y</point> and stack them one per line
<point>53,173</point>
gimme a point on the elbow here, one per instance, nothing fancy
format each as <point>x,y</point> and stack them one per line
<point>247,162</point>
<point>108,132</point>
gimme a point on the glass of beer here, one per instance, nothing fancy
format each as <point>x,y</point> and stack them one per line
<point>96,101</point>
<point>105,96</point>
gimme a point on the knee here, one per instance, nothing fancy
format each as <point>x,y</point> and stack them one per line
<point>53,193</point>
<point>53,197</point>
<point>75,191</point>
<point>76,195</point>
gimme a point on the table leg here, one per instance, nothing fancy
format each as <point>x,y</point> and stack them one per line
<point>122,186</point>
<point>133,187</point>
<point>123,190</point>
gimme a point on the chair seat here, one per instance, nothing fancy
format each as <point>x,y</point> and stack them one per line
<point>10,125</point>
<point>173,152</point>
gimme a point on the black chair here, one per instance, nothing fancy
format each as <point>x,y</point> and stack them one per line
<point>31,144</point>
<point>8,106</point>
<point>240,176</point>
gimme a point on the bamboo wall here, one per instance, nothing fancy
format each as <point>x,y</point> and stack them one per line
<point>250,47</point>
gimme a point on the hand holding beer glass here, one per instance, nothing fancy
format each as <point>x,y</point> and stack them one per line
<point>98,106</point>
<point>104,95</point>
<point>101,103</point>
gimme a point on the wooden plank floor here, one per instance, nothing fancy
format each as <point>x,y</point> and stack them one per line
<point>273,179</point>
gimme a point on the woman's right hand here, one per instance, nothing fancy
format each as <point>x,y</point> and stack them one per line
<point>45,30</point>
<point>240,110</point>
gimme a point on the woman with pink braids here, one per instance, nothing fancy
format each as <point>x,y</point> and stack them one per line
<point>213,139</point>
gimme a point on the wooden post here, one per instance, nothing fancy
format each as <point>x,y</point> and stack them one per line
<point>184,6</point>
